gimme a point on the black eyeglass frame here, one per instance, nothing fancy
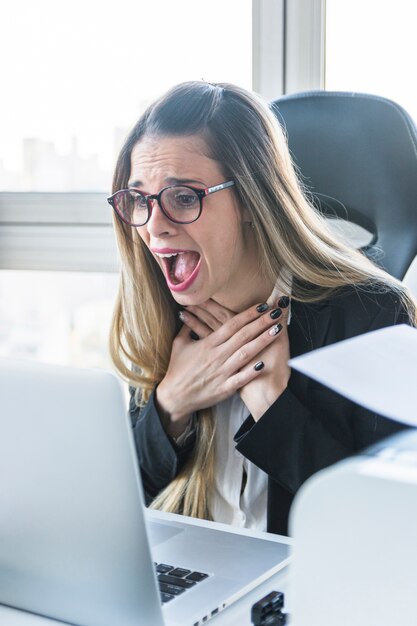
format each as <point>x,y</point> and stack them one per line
<point>201,193</point>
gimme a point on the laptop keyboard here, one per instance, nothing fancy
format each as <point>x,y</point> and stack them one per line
<point>173,581</point>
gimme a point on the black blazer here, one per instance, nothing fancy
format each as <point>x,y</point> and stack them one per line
<point>307,428</point>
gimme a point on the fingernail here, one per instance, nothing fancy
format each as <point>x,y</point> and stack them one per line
<point>275,313</point>
<point>181,315</point>
<point>258,366</point>
<point>275,329</point>
<point>194,335</point>
<point>262,307</point>
<point>283,302</point>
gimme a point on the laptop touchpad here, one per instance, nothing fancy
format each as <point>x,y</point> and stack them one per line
<point>158,533</point>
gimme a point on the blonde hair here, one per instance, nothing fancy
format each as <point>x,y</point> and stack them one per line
<point>244,137</point>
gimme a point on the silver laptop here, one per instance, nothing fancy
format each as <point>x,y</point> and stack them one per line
<point>76,542</point>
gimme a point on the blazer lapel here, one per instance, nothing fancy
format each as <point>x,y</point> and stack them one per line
<point>310,323</point>
<point>309,326</point>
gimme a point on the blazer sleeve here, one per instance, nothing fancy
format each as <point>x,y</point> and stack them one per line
<point>301,434</point>
<point>160,459</point>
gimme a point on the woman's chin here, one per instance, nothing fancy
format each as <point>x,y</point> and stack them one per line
<point>191,297</point>
<point>195,294</point>
<point>188,299</point>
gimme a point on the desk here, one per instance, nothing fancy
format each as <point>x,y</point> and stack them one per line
<point>237,614</point>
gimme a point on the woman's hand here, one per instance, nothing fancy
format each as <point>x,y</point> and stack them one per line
<point>227,358</point>
<point>261,391</point>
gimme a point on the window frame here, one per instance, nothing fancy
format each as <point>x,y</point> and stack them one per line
<point>57,231</point>
<point>305,31</point>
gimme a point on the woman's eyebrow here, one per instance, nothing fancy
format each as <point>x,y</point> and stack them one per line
<point>170,180</point>
<point>183,181</point>
<point>134,184</point>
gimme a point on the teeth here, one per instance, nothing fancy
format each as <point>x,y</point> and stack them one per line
<point>169,254</point>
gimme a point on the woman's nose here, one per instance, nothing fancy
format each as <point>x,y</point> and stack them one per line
<point>158,224</point>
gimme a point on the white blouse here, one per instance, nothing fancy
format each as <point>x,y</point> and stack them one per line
<point>228,502</point>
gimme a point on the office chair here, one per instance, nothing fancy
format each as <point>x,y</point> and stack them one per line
<point>357,154</point>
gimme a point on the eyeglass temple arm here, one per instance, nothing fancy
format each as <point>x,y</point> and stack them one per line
<point>230,183</point>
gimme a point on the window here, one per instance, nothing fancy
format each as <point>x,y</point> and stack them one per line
<point>78,76</point>
<point>80,73</point>
<point>371,48</point>
<point>57,317</point>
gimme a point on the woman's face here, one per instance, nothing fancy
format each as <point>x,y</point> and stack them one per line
<point>214,257</point>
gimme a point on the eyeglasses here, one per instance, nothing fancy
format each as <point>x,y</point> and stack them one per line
<point>179,203</point>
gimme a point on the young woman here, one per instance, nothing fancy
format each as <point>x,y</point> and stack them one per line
<point>227,271</point>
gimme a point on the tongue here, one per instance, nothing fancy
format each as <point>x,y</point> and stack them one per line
<point>184,265</point>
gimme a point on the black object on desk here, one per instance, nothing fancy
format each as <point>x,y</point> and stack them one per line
<point>268,610</point>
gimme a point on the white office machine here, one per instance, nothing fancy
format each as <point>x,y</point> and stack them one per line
<point>355,540</point>
<point>355,524</point>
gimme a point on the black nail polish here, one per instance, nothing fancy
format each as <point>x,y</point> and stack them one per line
<point>261,308</point>
<point>258,366</point>
<point>275,330</point>
<point>283,302</point>
<point>275,314</point>
<point>194,335</point>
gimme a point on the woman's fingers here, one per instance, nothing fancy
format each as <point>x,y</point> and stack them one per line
<point>218,311</point>
<point>247,326</point>
<point>242,337</point>
<point>235,324</point>
<point>205,372</point>
<point>249,355</point>
<point>205,316</point>
<point>211,314</point>
<point>246,375</point>
<point>194,325</point>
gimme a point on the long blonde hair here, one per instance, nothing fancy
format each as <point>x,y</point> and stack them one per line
<point>244,137</point>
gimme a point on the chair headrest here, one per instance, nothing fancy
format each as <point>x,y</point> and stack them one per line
<point>357,154</point>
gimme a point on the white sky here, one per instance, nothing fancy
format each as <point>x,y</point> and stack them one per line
<point>371,47</point>
<point>85,67</point>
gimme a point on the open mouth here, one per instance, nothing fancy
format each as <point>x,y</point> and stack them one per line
<point>180,266</point>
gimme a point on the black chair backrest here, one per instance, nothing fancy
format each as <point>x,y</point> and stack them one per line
<point>357,154</point>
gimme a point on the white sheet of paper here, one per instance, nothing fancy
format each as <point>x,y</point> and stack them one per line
<point>377,370</point>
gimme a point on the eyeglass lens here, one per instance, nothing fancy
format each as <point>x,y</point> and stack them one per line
<point>181,204</point>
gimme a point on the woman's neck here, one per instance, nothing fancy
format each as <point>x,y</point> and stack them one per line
<point>256,290</point>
